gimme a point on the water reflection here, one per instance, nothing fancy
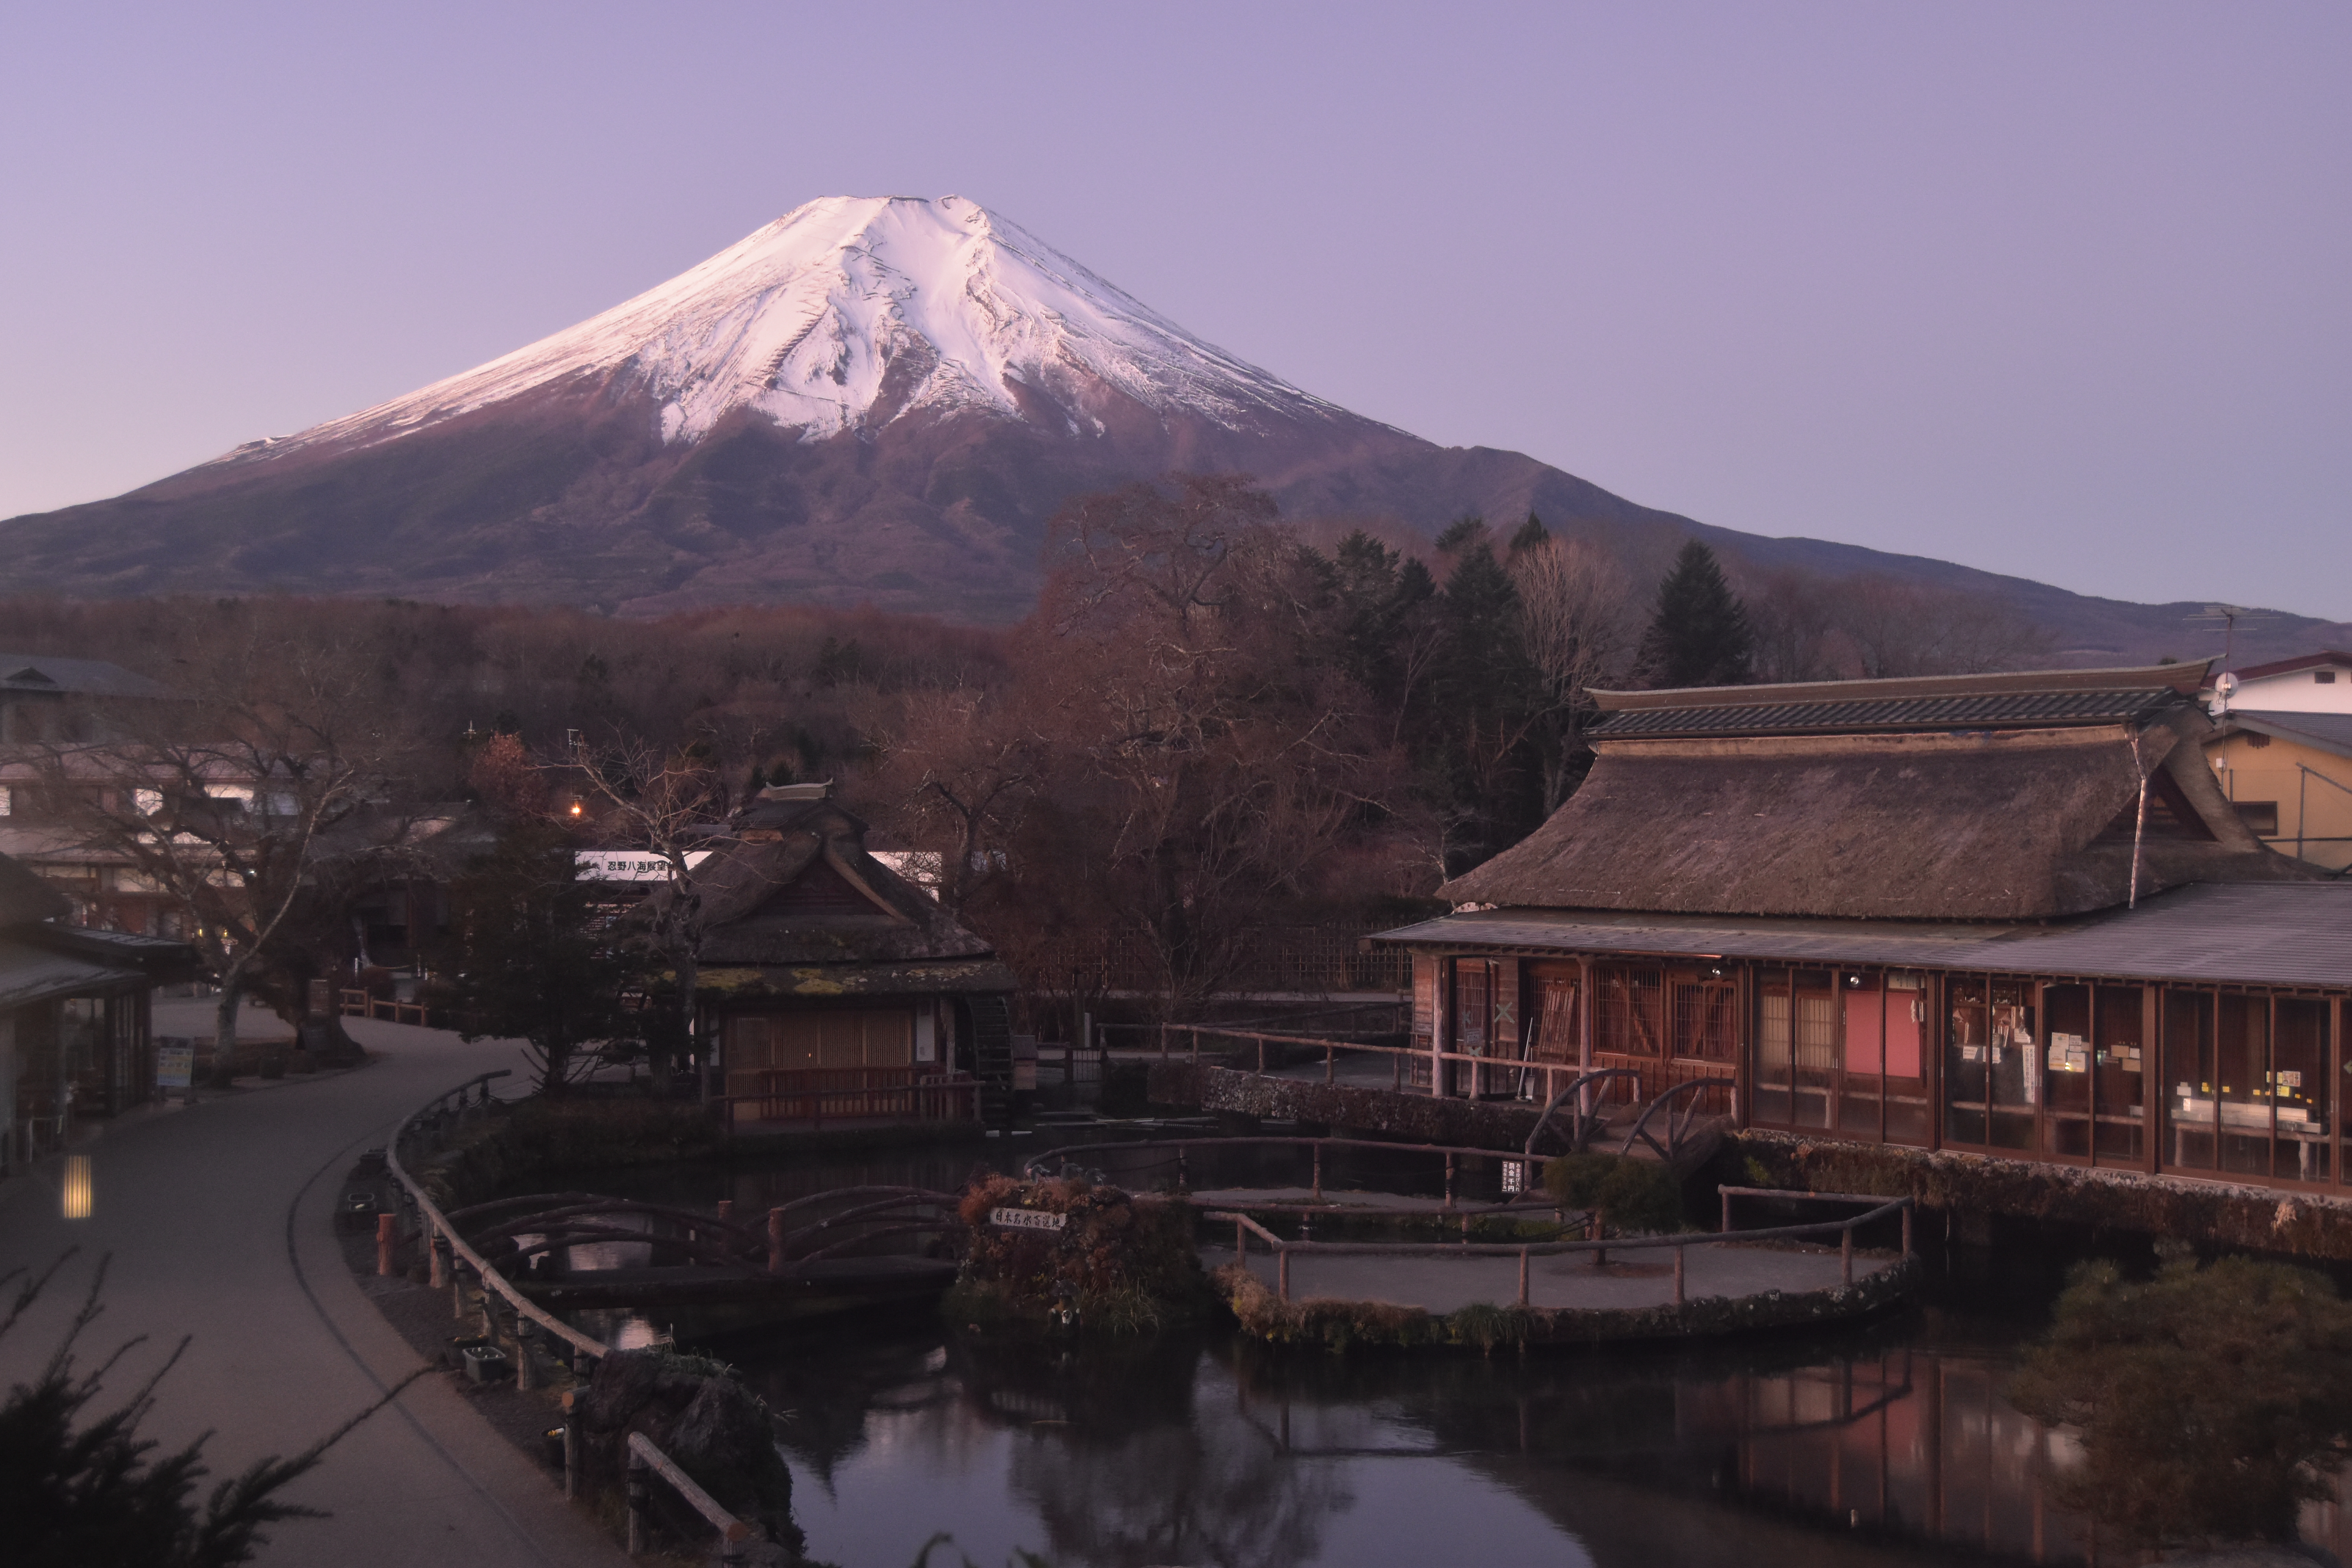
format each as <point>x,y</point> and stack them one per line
<point>1878,1448</point>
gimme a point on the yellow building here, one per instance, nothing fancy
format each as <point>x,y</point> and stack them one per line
<point>2283,753</point>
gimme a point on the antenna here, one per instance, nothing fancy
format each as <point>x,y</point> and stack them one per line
<point>2230,615</point>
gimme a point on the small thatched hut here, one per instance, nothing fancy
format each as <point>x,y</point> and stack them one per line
<point>835,989</point>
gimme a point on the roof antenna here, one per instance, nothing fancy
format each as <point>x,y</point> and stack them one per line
<point>2229,616</point>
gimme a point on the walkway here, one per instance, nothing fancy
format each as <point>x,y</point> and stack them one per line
<point>1643,1278</point>
<point>217,1218</point>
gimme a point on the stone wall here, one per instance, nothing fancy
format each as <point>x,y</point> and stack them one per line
<point>1971,1188</point>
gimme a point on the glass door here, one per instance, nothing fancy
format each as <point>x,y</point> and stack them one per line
<point>2067,1061</point>
<point>1967,1064</point>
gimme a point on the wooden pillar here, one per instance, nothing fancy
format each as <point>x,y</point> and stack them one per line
<point>1584,1031</point>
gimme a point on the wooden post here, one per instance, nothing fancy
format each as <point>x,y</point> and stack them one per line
<point>1727,1210</point>
<point>1329,1061</point>
<point>387,1235</point>
<point>526,1369</point>
<point>1449,1180</point>
<point>1523,1277</point>
<point>1318,1172</point>
<point>1906,1230</point>
<point>571,1447</point>
<point>1282,1272</point>
<point>775,1241</point>
<point>1592,1233</point>
<point>638,1489</point>
<point>1396,1072</point>
<point>1845,1256</point>
<point>436,1251</point>
<point>1241,1238</point>
<point>1678,1274</point>
<point>457,1295</point>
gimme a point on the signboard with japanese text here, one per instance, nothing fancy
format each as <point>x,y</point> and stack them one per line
<point>631,865</point>
<point>1027,1219</point>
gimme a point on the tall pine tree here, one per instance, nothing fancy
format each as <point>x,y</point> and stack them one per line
<point>1699,634</point>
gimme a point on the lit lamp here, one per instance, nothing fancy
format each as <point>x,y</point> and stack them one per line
<point>73,1199</point>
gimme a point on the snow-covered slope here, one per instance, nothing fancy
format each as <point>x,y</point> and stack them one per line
<point>848,312</point>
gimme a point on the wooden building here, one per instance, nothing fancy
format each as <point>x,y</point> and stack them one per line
<point>834,988</point>
<point>74,1024</point>
<point>2013,914</point>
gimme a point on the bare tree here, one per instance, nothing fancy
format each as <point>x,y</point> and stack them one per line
<point>671,804</point>
<point>961,763</point>
<point>221,801</point>
<point>1574,628</point>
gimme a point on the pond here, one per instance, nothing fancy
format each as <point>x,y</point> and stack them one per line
<point>1890,1442</point>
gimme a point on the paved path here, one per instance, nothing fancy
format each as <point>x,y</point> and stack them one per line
<point>217,1218</point>
<point>1640,1278</point>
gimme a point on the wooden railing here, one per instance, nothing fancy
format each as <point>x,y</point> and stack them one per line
<point>646,1461</point>
<point>1410,1066</point>
<point>1282,1247</point>
<point>358,1004</point>
<point>817,1095</point>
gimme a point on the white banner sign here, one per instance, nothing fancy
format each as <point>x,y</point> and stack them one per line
<point>1027,1219</point>
<point>631,865</point>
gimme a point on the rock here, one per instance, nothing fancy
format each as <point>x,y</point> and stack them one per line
<point>711,1426</point>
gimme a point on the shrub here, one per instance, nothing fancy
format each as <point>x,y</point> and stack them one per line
<point>2212,1402</point>
<point>1629,1195</point>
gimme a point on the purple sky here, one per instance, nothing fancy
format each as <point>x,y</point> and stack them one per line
<point>2061,290</point>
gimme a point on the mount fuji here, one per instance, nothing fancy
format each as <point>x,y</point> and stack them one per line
<point>869,400</point>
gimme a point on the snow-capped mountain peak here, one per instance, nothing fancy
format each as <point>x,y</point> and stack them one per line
<point>849,312</point>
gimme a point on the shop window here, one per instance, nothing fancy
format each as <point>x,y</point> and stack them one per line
<point>1775,1063</point>
<point>2242,1062</point>
<point>1967,1064</point>
<point>1628,1018</point>
<point>2118,1072</point>
<point>2191,1081</point>
<point>1704,1013</point>
<point>2300,1088</point>
<point>1554,1014</point>
<point>2066,1066</point>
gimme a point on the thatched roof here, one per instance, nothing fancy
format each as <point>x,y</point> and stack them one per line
<point>792,884</point>
<point>2025,823</point>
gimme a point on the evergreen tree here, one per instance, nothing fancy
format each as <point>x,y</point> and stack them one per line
<point>535,956</point>
<point>1532,533</point>
<point>1699,633</point>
